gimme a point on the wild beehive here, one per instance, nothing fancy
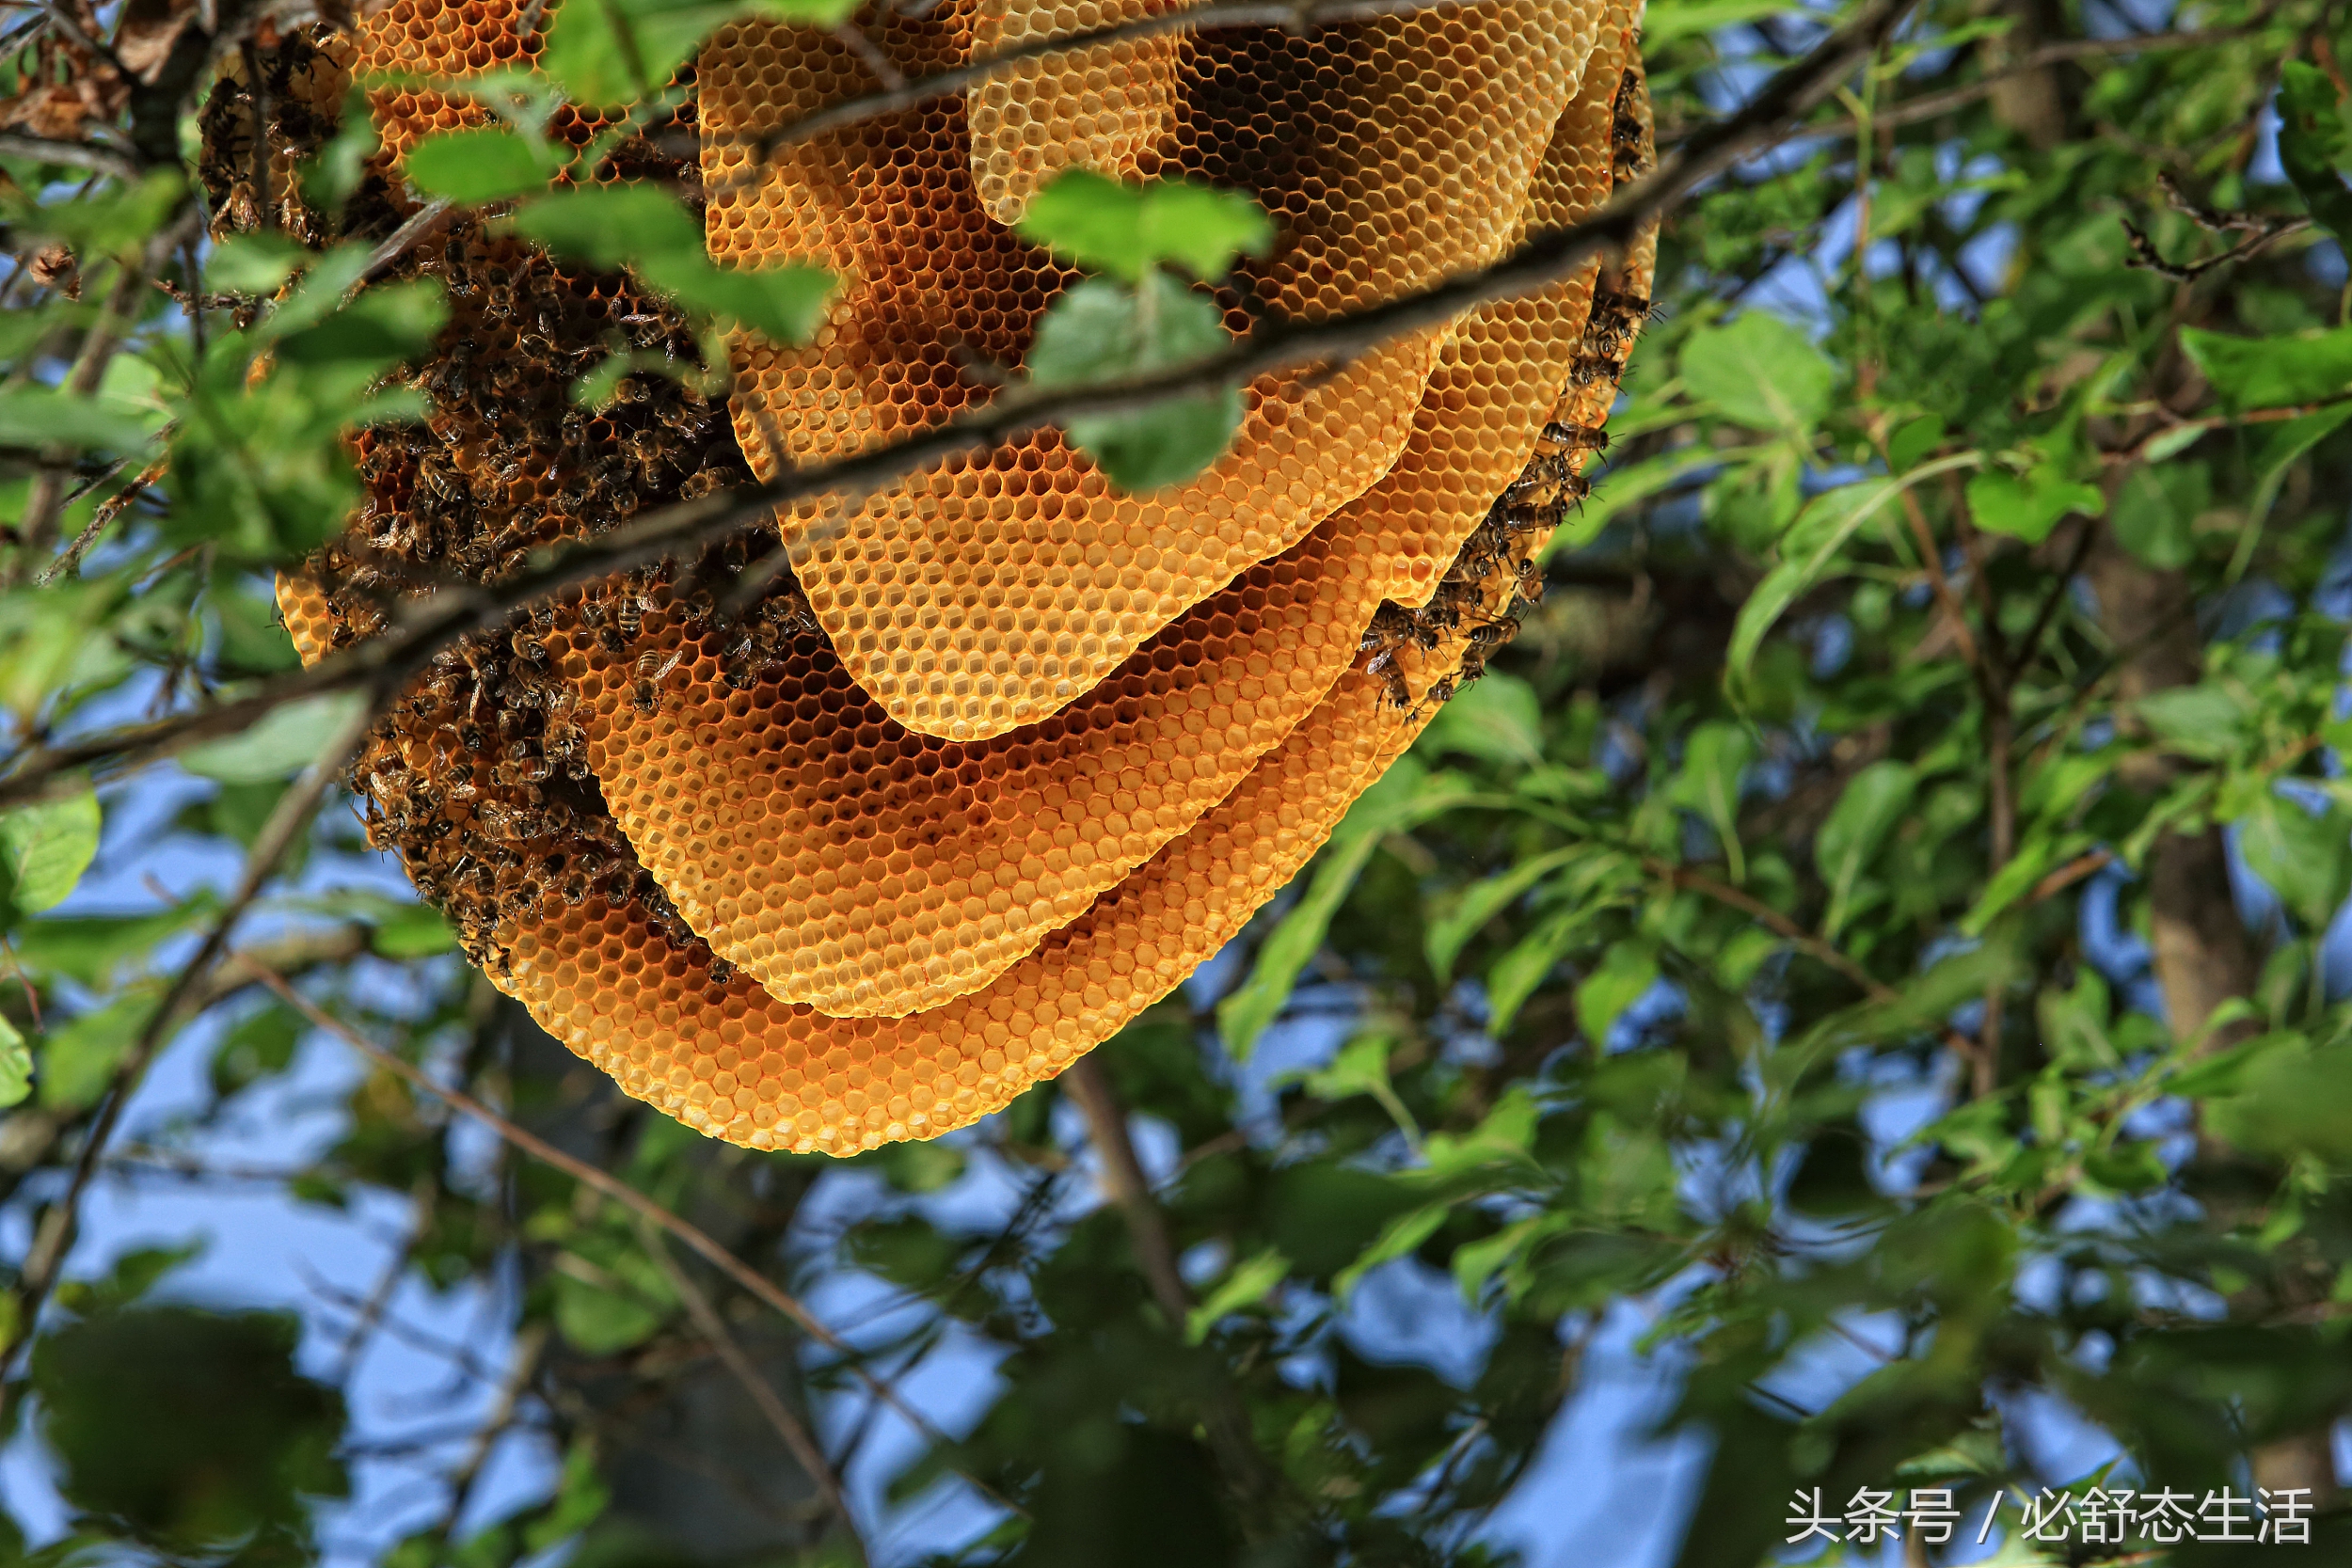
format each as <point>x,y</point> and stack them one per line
<point>1006,751</point>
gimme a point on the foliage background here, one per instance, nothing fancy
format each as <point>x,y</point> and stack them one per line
<point>1863,957</point>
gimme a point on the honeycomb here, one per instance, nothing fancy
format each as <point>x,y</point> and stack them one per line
<point>985,593</point>
<point>712,845</point>
<point>1103,106</point>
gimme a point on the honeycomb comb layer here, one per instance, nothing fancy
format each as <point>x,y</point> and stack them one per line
<point>1105,107</point>
<point>848,862</point>
<point>984,595</point>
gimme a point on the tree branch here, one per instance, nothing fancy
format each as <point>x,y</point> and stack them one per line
<point>1224,1421</point>
<point>789,1427</point>
<point>286,823</point>
<point>620,1191</point>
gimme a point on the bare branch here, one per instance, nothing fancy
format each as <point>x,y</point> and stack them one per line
<point>286,824</point>
<point>751,1279</point>
<point>789,1427</point>
<point>69,154</point>
<point>1226,1422</point>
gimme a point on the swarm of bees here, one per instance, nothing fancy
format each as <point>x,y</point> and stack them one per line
<point>512,777</point>
<point>1497,578</point>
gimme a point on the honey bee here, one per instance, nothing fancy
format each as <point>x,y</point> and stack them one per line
<point>1529,589</point>
<point>644,698</point>
<point>1576,437</point>
<point>1590,368</point>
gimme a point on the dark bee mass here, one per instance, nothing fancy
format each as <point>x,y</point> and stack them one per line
<point>479,777</point>
<point>1497,553</point>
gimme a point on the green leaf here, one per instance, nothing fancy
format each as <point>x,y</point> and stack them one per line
<point>285,740</point>
<point>2027,506</point>
<point>1664,23</point>
<point>1104,332</point>
<point>1403,798</point>
<point>2314,145</point>
<point>1517,975</point>
<point>1620,488</point>
<point>610,226</point>
<point>782,303</point>
<point>1913,442</point>
<point>2202,720</point>
<point>16,1065</point>
<point>1481,902</point>
<point>484,164</point>
<point>645,228</point>
<point>2273,372</point>
<point>2294,1099</point>
<point>1246,1286</point>
<point>36,417</point>
<point>1714,761</point>
<point>1499,719</point>
<point>47,846</point>
<point>610,1302</point>
<point>78,1059</point>
<point>1807,551</point>
<point>1625,974</point>
<point>254,263</point>
<point>2151,523</point>
<point>1126,230</point>
<point>1399,1237</point>
<point>2305,857</point>
<point>1760,372</point>
<point>331,176</point>
<point>2041,854</point>
<point>1875,800</point>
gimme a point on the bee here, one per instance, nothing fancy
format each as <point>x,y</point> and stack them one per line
<point>1529,589</point>
<point>1394,691</point>
<point>1391,626</point>
<point>722,972</point>
<point>644,698</point>
<point>1590,368</point>
<point>1575,437</point>
<point>629,616</point>
<point>516,771</point>
<point>1519,521</point>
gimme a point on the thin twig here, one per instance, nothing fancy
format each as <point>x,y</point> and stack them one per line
<point>2068,875</point>
<point>69,154</point>
<point>1226,1423</point>
<point>115,319</point>
<point>379,1300</point>
<point>285,826</point>
<point>419,224</point>
<point>1935,105</point>
<point>70,561</point>
<point>1772,919</point>
<point>789,1426</point>
<point>529,1345</point>
<point>613,1187</point>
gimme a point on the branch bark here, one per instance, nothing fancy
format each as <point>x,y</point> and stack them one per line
<point>1224,1418</point>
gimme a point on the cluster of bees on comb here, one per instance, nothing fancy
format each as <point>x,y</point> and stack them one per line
<point>852,826</point>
